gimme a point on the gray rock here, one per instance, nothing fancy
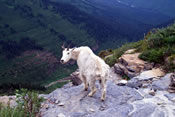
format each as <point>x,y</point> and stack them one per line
<point>170,96</point>
<point>74,114</point>
<point>134,83</point>
<point>144,110</point>
<point>163,83</point>
<point>121,101</point>
<point>151,74</point>
<point>171,88</point>
<point>75,79</point>
<point>148,66</point>
<point>158,113</point>
<point>132,74</point>
<point>120,69</point>
<point>77,103</point>
<point>117,111</point>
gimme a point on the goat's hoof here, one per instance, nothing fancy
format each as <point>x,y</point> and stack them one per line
<point>102,99</point>
<point>90,94</point>
<point>85,89</point>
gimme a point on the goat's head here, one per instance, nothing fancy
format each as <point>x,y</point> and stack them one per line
<point>67,54</point>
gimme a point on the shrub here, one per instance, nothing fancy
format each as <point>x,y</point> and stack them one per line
<point>170,40</point>
<point>28,105</point>
<point>155,40</point>
<point>169,67</point>
<point>152,55</point>
<point>170,64</point>
<point>29,102</point>
<point>110,60</point>
<point>161,37</point>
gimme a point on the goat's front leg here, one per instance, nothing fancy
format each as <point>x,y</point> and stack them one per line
<point>103,86</point>
<point>85,82</point>
<point>92,87</point>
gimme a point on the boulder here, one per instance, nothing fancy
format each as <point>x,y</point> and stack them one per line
<point>146,78</point>
<point>120,69</point>
<point>130,59</point>
<point>150,74</point>
<point>171,88</point>
<point>8,100</point>
<point>135,83</point>
<point>75,78</point>
<point>130,65</point>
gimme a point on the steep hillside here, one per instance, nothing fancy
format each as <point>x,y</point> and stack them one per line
<point>125,19</point>
<point>166,7</point>
<point>31,35</point>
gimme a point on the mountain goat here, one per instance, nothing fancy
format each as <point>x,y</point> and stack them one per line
<point>91,68</point>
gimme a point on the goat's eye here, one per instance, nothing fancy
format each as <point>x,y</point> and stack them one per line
<point>68,53</point>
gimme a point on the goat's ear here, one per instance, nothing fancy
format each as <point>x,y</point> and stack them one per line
<point>73,49</point>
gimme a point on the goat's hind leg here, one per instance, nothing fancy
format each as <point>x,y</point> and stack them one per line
<point>85,82</point>
<point>103,86</point>
<point>92,87</point>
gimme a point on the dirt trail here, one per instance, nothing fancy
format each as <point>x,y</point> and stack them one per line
<point>58,81</point>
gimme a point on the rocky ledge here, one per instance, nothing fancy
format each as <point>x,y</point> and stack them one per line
<point>149,93</point>
<point>151,99</point>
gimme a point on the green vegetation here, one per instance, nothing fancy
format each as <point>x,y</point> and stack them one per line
<point>116,53</point>
<point>28,105</point>
<point>30,44</point>
<point>158,46</point>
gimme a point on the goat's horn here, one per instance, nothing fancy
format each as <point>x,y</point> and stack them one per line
<point>63,47</point>
<point>68,46</point>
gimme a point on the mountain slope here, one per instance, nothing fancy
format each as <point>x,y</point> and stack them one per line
<point>30,41</point>
<point>166,7</point>
<point>125,19</point>
<point>114,9</point>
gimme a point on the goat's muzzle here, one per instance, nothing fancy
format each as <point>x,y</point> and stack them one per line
<point>62,61</point>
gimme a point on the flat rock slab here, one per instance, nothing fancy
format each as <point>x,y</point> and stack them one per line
<point>154,73</point>
<point>163,83</point>
<point>122,101</point>
<point>132,59</point>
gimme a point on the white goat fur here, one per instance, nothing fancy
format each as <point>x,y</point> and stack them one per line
<point>91,68</point>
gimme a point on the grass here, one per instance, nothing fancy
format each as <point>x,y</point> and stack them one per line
<point>117,53</point>
<point>160,44</point>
